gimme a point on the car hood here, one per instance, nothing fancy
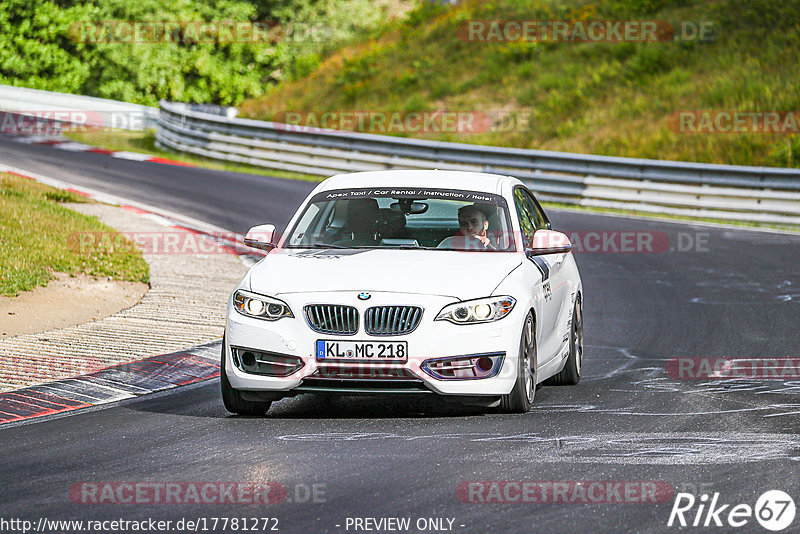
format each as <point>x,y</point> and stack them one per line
<point>461,275</point>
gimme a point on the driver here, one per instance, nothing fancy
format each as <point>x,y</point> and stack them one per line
<point>473,224</point>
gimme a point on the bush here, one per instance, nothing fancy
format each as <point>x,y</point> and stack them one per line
<point>48,45</point>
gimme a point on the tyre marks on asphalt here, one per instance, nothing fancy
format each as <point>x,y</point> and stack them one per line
<point>665,448</point>
<point>649,374</point>
<point>118,382</point>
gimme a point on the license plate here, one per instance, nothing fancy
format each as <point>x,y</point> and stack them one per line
<point>392,351</point>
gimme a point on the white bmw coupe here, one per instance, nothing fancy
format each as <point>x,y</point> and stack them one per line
<point>407,282</point>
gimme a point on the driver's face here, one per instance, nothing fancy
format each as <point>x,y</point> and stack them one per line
<point>472,222</point>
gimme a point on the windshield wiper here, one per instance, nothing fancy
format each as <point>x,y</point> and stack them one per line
<point>417,246</point>
<point>394,247</point>
<point>328,245</point>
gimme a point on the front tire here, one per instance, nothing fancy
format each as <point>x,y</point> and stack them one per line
<point>570,375</point>
<point>521,397</point>
<point>232,398</point>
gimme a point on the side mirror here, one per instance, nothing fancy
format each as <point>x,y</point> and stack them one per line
<point>549,242</point>
<point>261,237</point>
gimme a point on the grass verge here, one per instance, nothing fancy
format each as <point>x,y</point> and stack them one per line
<point>608,98</point>
<point>35,231</point>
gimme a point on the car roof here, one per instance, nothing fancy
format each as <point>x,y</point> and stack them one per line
<point>460,180</point>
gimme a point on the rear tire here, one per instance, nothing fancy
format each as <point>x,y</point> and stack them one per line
<point>232,398</point>
<point>570,375</point>
<point>521,397</point>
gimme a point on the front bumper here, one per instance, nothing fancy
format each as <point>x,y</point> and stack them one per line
<point>431,340</point>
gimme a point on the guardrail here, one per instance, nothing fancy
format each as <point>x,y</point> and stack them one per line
<point>67,108</point>
<point>758,194</point>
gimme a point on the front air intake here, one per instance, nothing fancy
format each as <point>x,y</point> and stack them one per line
<point>334,319</point>
<point>265,363</point>
<point>392,320</point>
<point>362,380</point>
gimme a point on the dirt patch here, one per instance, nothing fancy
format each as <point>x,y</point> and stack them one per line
<point>66,301</point>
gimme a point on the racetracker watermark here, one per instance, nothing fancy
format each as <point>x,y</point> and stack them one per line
<point>734,122</point>
<point>415,122</point>
<point>187,493</point>
<point>170,242</point>
<point>728,368</point>
<point>584,31</point>
<point>38,122</point>
<point>199,31</point>
<point>144,525</point>
<point>565,492</point>
<point>60,367</point>
<point>619,242</point>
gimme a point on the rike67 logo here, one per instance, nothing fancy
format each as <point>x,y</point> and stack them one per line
<point>774,510</point>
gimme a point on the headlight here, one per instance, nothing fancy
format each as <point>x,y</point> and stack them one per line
<point>260,306</point>
<point>483,310</point>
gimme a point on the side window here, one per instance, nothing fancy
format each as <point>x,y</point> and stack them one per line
<point>526,218</point>
<point>307,224</point>
<point>538,216</point>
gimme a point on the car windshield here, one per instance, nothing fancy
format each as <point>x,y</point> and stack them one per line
<point>404,219</point>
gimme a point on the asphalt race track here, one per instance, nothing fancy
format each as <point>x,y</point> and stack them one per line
<point>718,293</point>
<point>212,196</point>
